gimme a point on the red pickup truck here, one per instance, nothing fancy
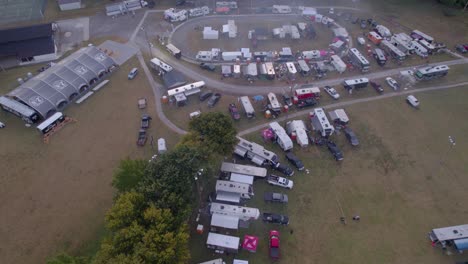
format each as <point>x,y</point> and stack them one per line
<point>274,244</point>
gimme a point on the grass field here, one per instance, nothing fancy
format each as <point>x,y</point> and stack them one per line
<point>403,180</point>
<point>55,195</point>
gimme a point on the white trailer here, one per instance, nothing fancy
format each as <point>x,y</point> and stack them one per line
<point>255,152</point>
<point>250,70</point>
<point>228,197</point>
<point>227,167</point>
<point>199,11</point>
<point>383,31</point>
<point>281,9</point>
<point>419,49</point>
<point>270,70</point>
<point>231,55</point>
<point>162,146</point>
<point>210,33</point>
<point>243,213</point>
<point>225,221</point>
<point>339,116</point>
<point>392,50</point>
<point>174,15</point>
<point>338,63</point>
<point>241,178</point>
<point>402,44</point>
<point>283,140</point>
<point>298,127</point>
<point>229,4</point>
<point>174,50</point>
<point>208,55</point>
<point>248,108</point>
<point>320,122</point>
<point>223,243</point>
<point>311,54</point>
<point>214,261</point>
<point>245,190</point>
<point>291,70</point>
<point>303,67</point>
<point>274,103</point>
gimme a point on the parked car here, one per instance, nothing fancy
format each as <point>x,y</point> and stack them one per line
<point>351,136</point>
<point>133,73</point>
<point>274,244</point>
<point>306,103</point>
<point>275,218</point>
<point>287,100</point>
<point>295,161</point>
<point>413,101</point>
<point>141,141</point>
<point>2,125</point>
<point>461,48</point>
<point>234,112</point>
<point>355,20</point>
<point>214,99</point>
<point>205,95</point>
<point>208,66</point>
<point>332,92</point>
<point>145,121</point>
<point>275,197</point>
<point>363,23</point>
<point>331,11</point>
<point>335,151</point>
<point>283,169</point>
<point>377,87</point>
<point>142,103</point>
<point>361,41</point>
<point>392,83</point>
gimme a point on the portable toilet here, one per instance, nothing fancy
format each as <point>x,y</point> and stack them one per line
<point>162,146</point>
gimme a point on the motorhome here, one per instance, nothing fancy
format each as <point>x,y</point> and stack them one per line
<point>419,49</point>
<point>241,178</point>
<point>427,45</point>
<point>383,31</point>
<point>273,102</point>
<point>173,50</point>
<point>304,69</point>
<point>402,44</point>
<point>255,152</point>
<point>224,221</point>
<point>281,9</point>
<point>51,122</point>
<point>358,83</point>
<point>298,129</point>
<point>223,243</point>
<point>292,71</point>
<point>160,66</point>
<point>26,113</point>
<point>243,213</point>
<point>285,54</point>
<point>307,91</point>
<point>245,190</point>
<point>187,90</point>
<point>231,55</point>
<point>281,137</point>
<point>247,105</point>
<point>359,60</point>
<point>418,35</point>
<point>431,72</point>
<point>451,236</point>
<point>339,116</point>
<point>380,57</point>
<point>392,50</point>
<point>228,197</point>
<point>199,11</point>
<point>338,63</point>
<point>173,15</point>
<point>250,70</point>
<point>320,122</point>
<point>311,54</point>
<point>208,55</point>
<point>270,70</point>
<point>227,167</point>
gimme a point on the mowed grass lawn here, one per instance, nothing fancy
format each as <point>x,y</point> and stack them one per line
<point>403,180</point>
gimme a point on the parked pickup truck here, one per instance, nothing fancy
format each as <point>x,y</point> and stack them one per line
<point>145,121</point>
<point>141,138</point>
<point>275,197</point>
<point>280,181</point>
<point>275,218</point>
<point>274,244</point>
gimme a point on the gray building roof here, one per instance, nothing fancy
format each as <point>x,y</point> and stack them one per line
<point>57,86</point>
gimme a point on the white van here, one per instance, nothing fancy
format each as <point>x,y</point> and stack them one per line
<point>413,101</point>
<point>133,73</point>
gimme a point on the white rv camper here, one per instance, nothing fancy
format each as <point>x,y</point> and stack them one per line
<point>281,9</point>
<point>255,152</point>
<point>245,190</point>
<point>223,243</point>
<point>311,54</point>
<point>303,67</point>
<point>298,127</point>
<point>338,63</point>
<point>283,140</point>
<point>320,122</point>
<point>227,167</point>
<point>248,108</point>
<point>274,103</point>
<point>160,66</point>
<point>231,55</point>
<point>199,11</point>
<point>243,213</point>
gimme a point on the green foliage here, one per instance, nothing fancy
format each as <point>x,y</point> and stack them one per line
<point>142,233</point>
<point>128,174</point>
<point>64,258</point>
<point>214,132</point>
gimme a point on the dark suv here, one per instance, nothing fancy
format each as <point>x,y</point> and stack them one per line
<point>295,161</point>
<point>205,95</point>
<point>283,169</point>
<point>333,148</point>
<point>214,100</point>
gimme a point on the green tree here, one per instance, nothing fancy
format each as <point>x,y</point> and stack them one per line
<point>142,233</point>
<point>64,258</point>
<point>128,174</point>
<point>213,131</point>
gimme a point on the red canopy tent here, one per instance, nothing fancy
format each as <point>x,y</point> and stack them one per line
<point>250,243</point>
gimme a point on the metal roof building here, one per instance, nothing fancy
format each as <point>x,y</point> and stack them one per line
<point>57,86</point>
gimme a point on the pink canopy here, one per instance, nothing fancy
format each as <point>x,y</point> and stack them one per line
<point>250,243</point>
<point>267,134</point>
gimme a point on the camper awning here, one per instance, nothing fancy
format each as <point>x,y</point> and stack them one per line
<point>461,244</point>
<point>225,221</point>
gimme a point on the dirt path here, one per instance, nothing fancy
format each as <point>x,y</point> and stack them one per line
<point>356,101</point>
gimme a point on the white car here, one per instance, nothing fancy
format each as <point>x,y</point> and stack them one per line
<point>392,83</point>
<point>332,92</point>
<point>413,101</point>
<point>2,125</point>
<point>361,41</point>
<point>331,11</point>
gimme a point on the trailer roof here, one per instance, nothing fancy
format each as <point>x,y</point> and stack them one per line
<point>451,232</point>
<point>225,221</point>
<point>244,169</point>
<point>223,241</point>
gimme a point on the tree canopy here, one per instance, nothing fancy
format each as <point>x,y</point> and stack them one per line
<point>214,132</point>
<point>129,174</point>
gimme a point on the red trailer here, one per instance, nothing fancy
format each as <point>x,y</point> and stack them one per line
<point>306,93</point>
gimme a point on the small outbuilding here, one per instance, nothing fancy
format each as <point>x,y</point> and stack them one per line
<point>210,33</point>
<point>65,5</point>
